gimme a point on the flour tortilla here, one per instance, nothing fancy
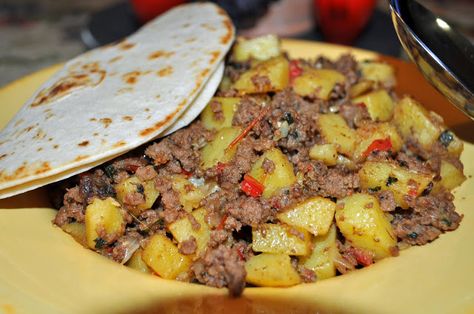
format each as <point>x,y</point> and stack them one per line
<point>116,98</point>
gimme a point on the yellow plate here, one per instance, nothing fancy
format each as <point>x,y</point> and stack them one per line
<point>43,270</point>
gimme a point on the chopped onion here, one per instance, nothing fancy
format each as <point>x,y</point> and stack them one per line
<point>131,244</point>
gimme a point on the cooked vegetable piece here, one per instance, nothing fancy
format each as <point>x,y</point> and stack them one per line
<point>327,153</point>
<point>379,72</point>
<point>190,195</point>
<point>258,48</point>
<point>271,270</point>
<point>321,260</point>
<point>77,231</point>
<point>161,255</point>
<point>409,116</point>
<point>134,185</point>
<point>383,176</point>
<point>223,119</point>
<point>136,262</point>
<point>367,134</point>
<point>379,104</point>
<point>317,82</point>
<point>217,150</point>
<point>451,177</point>
<point>314,215</point>
<point>361,87</point>
<point>104,222</point>
<point>275,238</point>
<point>364,224</point>
<point>251,186</point>
<point>282,176</point>
<point>267,76</point>
<point>183,230</point>
<point>335,130</point>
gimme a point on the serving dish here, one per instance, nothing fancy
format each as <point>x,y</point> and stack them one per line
<point>43,270</point>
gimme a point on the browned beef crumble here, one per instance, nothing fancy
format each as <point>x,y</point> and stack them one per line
<point>289,123</point>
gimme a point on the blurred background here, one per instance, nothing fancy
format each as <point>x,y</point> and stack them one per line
<point>38,33</point>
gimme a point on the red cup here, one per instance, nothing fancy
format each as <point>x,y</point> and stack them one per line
<point>341,21</point>
<point>146,10</point>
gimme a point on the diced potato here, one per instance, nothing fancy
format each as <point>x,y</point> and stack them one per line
<point>364,224</point>
<point>379,104</point>
<point>271,75</point>
<point>229,106</point>
<point>216,150</point>
<point>360,88</point>
<point>414,121</point>
<point>190,196</point>
<point>379,72</point>
<point>136,262</point>
<point>259,48</point>
<point>368,133</point>
<point>321,260</point>
<point>103,217</point>
<point>282,176</point>
<point>134,185</point>
<point>161,255</point>
<point>77,231</point>
<point>335,130</point>
<point>451,177</point>
<point>183,230</point>
<point>271,270</point>
<point>317,82</point>
<point>327,153</point>
<point>275,238</point>
<point>389,176</point>
<point>314,215</point>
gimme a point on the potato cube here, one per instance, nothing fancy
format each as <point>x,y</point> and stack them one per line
<point>134,185</point>
<point>271,270</point>
<point>321,260</point>
<point>271,75</point>
<point>282,176</point>
<point>136,262</point>
<point>228,105</point>
<point>335,130</point>
<point>104,222</point>
<point>327,153</point>
<point>161,255</point>
<point>317,82</point>
<point>414,121</point>
<point>379,104</point>
<point>360,88</point>
<point>190,196</point>
<point>183,230</point>
<point>216,150</point>
<point>368,133</point>
<point>365,225</point>
<point>451,177</point>
<point>378,72</point>
<point>258,48</point>
<point>388,176</point>
<point>314,215</point>
<point>275,238</point>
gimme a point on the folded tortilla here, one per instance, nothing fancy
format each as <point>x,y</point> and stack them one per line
<point>115,98</point>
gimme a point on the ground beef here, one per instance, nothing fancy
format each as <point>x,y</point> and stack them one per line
<point>95,184</point>
<point>216,108</point>
<point>169,199</point>
<point>268,166</point>
<point>73,208</point>
<point>354,114</point>
<point>347,65</point>
<point>428,217</point>
<point>125,246</point>
<point>188,247</point>
<point>221,267</point>
<point>387,201</point>
<point>146,173</point>
<point>248,210</point>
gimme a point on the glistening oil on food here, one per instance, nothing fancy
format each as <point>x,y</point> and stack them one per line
<point>296,171</point>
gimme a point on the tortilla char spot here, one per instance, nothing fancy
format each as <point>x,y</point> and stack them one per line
<point>44,167</point>
<point>214,56</point>
<point>95,134</point>
<point>19,122</point>
<point>131,77</point>
<point>39,135</point>
<point>165,71</point>
<point>125,45</point>
<point>3,156</point>
<point>148,109</point>
<point>39,149</point>
<point>29,128</point>
<point>159,124</point>
<point>81,157</point>
<point>127,118</point>
<point>228,36</point>
<point>106,122</point>
<point>191,39</point>
<point>50,139</point>
<point>83,143</point>
<point>148,117</point>
<point>124,90</point>
<point>115,59</point>
<point>208,27</point>
<point>185,25</point>
<point>158,96</point>
<point>55,146</point>
<point>160,53</point>
<point>120,143</point>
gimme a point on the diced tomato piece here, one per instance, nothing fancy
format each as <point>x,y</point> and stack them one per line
<point>186,173</point>
<point>295,69</point>
<point>251,186</point>
<point>220,166</point>
<point>363,257</point>
<point>131,168</point>
<point>378,145</point>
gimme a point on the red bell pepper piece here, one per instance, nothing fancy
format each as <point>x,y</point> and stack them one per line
<point>295,69</point>
<point>378,145</point>
<point>251,186</point>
